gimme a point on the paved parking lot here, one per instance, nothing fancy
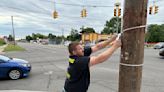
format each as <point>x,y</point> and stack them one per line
<point>49,65</point>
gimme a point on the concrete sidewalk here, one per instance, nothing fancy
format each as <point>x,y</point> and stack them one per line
<point>19,91</point>
<point>2,48</point>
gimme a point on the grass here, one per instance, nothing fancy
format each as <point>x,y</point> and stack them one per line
<point>2,42</point>
<point>11,47</point>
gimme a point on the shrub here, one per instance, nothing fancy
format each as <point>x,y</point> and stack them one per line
<point>2,42</point>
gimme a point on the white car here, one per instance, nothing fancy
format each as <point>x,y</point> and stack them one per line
<point>159,45</point>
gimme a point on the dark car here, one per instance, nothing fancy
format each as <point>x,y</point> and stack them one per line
<point>159,45</point>
<point>13,68</point>
<point>161,52</point>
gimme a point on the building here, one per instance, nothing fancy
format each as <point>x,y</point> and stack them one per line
<point>94,37</point>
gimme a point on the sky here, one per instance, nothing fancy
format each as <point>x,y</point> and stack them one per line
<point>35,16</point>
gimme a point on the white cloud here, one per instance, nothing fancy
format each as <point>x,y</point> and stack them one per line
<point>36,15</point>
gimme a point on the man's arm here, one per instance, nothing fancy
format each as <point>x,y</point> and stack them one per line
<point>103,44</point>
<point>106,54</point>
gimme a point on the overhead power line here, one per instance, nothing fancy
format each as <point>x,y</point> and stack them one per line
<point>85,5</point>
<point>79,5</point>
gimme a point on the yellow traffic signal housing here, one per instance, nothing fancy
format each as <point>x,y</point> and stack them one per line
<point>156,10</point>
<point>55,14</point>
<point>119,12</point>
<point>115,12</point>
<point>150,10</point>
<point>85,12</point>
<point>82,14</point>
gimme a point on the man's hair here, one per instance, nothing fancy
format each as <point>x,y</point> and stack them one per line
<point>72,47</point>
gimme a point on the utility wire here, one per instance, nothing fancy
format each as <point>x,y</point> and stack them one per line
<point>79,5</point>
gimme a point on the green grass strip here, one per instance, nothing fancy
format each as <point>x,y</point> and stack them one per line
<point>11,47</point>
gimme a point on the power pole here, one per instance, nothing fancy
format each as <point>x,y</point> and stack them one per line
<point>132,50</point>
<point>13,29</point>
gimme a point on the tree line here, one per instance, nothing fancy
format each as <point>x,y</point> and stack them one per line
<point>154,33</point>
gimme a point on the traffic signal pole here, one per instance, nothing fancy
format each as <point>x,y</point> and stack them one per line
<point>132,49</point>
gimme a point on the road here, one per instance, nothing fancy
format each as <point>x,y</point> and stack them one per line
<point>49,65</point>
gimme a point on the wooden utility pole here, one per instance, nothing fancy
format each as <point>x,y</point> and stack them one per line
<point>132,50</point>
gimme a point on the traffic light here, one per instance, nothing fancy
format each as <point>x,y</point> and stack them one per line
<point>119,12</point>
<point>150,10</point>
<point>82,14</point>
<point>55,14</point>
<point>85,12</point>
<point>115,12</point>
<point>156,10</point>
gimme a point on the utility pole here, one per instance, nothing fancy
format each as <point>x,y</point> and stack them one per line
<point>132,50</point>
<point>62,36</point>
<point>13,29</point>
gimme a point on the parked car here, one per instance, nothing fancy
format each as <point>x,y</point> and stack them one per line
<point>13,68</point>
<point>161,52</point>
<point>159,45</point>
<point>89,44</point>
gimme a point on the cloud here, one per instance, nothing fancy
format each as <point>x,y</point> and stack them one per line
<point>35,16</point>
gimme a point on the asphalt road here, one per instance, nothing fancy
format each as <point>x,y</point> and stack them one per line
<point>49,65</point>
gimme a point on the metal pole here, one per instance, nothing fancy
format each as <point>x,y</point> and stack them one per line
<point>117,24</point>
<point>121,25</point>
<point>13,29</point>
<point>62,36</point>
<point>132,50</point>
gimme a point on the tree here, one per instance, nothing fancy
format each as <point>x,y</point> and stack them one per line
<point>34,36</point>
<point>155,33</point>
<point>38,35</point>
<point>10,38</point>
<point>111,26</point>
<point>51,36</point>
<point>28,38</point>
<point>74,35</point>
<point>87,30</point>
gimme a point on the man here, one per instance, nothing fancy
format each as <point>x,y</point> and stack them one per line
<point>78,73</point>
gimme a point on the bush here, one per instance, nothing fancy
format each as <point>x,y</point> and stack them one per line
<point>2,42</point>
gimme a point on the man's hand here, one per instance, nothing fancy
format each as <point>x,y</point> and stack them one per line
<point>106,54</point>
<point>113,37</point>
<point>103,44</point>
<point>117,43</point>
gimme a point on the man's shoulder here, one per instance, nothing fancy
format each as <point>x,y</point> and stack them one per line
<point>83,57</point>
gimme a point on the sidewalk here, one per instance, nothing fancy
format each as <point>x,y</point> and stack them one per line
<point>19,91</point>
<point>2,48</point>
